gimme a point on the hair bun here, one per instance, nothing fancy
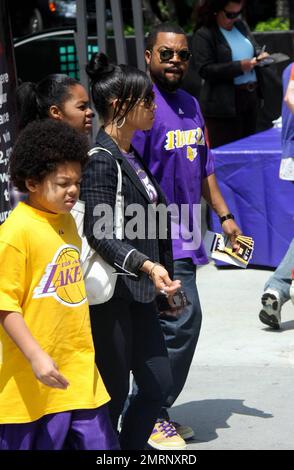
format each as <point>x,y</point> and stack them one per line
<point>98,66</point>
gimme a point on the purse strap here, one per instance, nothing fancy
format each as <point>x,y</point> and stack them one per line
<point>118,211</point>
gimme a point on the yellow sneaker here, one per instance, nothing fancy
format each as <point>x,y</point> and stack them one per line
<point>165,437</point>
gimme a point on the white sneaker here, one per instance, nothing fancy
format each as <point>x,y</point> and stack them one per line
<point>271,311</point>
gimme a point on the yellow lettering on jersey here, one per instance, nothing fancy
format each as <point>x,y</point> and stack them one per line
<point>180,139</point>
<point>170,140</point>
<point>191,153</point>
<point>200,136</point>
<point>190,137</point>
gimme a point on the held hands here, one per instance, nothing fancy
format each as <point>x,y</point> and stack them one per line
<point>46,371</point>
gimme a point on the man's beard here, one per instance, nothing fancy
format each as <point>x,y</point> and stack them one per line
<point>167,84</point>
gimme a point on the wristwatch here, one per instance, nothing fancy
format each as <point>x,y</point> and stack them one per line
<point>226,217</point>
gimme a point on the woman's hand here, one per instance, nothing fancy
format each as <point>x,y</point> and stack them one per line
<point>160,277</point>
<point>46,371</point>
<point>248,64</point>
<point>262,55</point>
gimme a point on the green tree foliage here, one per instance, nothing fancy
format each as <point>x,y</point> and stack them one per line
<point>273,24</point>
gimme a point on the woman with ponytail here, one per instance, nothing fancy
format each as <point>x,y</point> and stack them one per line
<point>126,330</point>
<point>57,96</point>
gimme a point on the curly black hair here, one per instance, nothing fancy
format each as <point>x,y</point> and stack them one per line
<point>41,147</point>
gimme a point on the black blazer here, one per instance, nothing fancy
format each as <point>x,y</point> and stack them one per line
<point>98,186</point>
<point>213,60</point>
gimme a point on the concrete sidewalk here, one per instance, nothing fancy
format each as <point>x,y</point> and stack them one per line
<point>240,391</point>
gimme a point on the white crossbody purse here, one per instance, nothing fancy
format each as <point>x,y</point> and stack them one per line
<point>100,278</point>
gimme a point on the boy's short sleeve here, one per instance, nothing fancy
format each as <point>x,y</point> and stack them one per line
<point>12,278</point>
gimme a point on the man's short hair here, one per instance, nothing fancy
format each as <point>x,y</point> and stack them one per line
<point>162,28</point>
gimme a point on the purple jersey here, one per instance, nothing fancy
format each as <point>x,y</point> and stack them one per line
<point>176,153</point>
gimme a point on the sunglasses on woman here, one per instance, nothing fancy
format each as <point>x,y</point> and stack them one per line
<point>232,15</point>
<point>167,54</point>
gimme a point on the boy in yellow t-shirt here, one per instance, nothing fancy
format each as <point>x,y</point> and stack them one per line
<point>51,394</point>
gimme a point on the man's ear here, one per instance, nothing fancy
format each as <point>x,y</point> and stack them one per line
<point>54,112</point>
<point>148,56</point>
<point>31,185</point>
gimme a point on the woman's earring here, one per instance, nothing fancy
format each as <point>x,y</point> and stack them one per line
<point>120,122</point>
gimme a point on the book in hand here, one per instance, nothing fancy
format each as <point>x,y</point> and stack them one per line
<point>219,247</point>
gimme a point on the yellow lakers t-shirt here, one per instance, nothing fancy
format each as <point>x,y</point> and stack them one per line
<point>41,278</point>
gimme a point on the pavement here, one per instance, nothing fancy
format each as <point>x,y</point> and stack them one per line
<point>240,390</point>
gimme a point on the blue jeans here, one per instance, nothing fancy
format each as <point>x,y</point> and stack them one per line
<point>181,334</point>
<point>127,336</point>
<point>281,279</point>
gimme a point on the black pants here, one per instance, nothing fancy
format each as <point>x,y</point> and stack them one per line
<point>127,336</point>
<point>181,334</point>
<point>224,130</point>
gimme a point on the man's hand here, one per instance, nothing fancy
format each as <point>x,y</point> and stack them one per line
<point>231,229</point>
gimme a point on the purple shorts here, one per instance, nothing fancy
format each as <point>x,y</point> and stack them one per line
<point>69,430</point>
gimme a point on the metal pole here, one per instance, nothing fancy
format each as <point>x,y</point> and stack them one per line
<point>139,33</point>
<point>118,26</point>
<point>81,40</point>
<point>101,25</point>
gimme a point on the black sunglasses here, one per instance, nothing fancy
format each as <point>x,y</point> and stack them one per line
<point>167,54</point>
<point>231,15</point>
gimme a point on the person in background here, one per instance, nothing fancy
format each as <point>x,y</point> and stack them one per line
<point>277,288</point>
<point>176,152</point>
<point>52,395</point>
<point>126,329</point>
<point>56,96</point>
<point>226,57</point>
